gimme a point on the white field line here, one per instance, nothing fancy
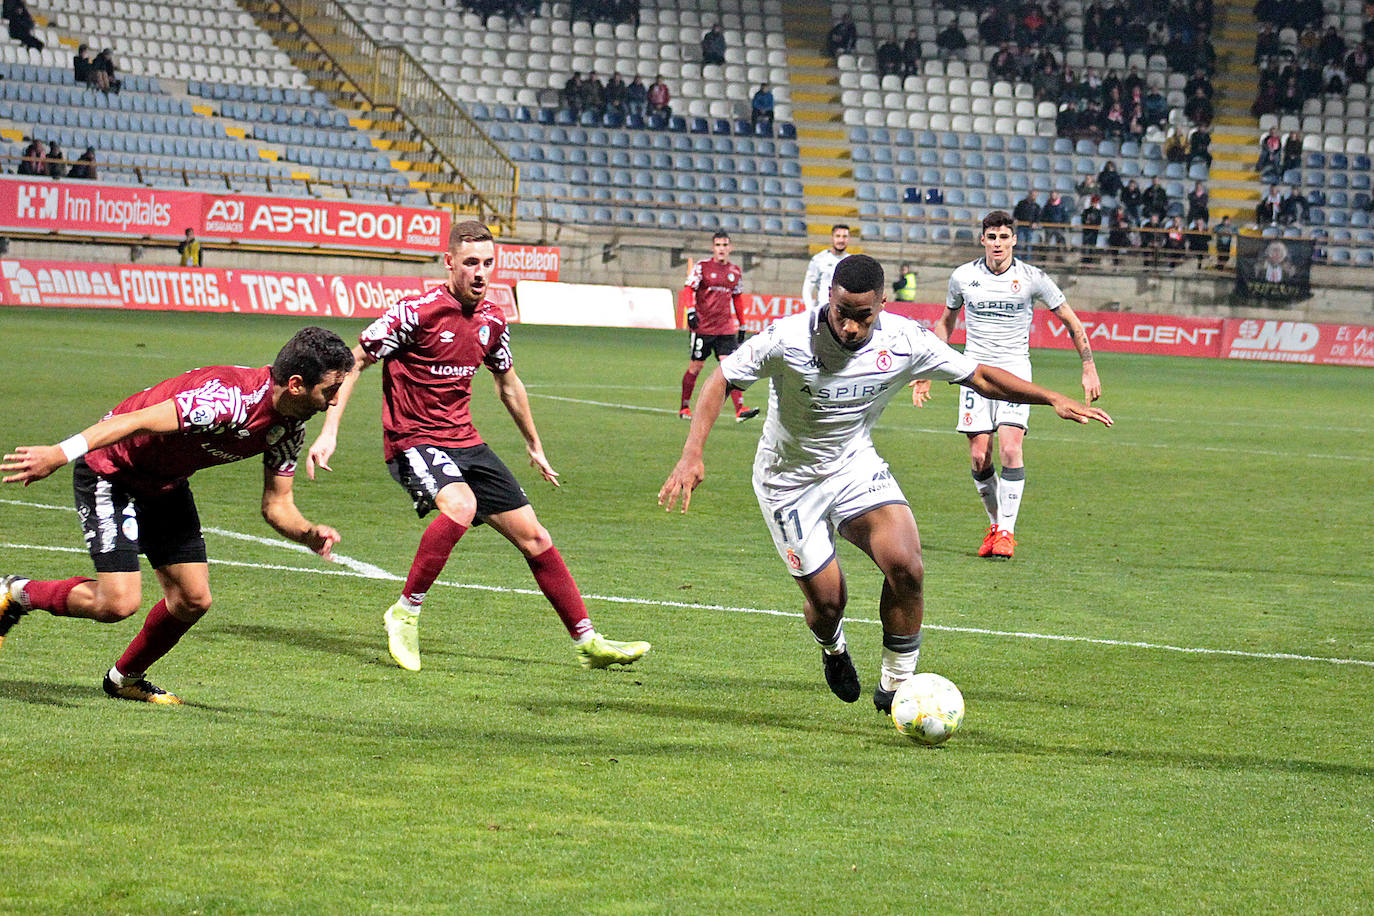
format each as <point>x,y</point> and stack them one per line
<point>1043,437</point>
<point>361,570</point>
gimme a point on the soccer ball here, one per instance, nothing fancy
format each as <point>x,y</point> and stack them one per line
<point>927,709</point>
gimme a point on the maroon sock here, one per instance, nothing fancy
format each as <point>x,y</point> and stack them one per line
<point>738,397</point>
<point>160,632</point>
<point>689,384</point>
<point>51,596</point>
<point>558,586</point>
<point>435,545</point>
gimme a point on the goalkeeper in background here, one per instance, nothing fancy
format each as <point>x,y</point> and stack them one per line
<point>716,320</point>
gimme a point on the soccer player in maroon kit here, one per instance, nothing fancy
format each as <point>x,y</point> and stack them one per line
<point>430,347</point>
<point>716,319</point>
<point>130,476</point>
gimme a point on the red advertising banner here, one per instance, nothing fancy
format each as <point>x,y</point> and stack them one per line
<point>1299,342</point>
<point>95,209</point>
<point>332,223</point>
<point>87,208</point>
<point>526,262</point>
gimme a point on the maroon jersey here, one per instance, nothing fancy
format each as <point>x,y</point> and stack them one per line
<point>225,414</point>
<point>430,348</point>
<point>716,286</point>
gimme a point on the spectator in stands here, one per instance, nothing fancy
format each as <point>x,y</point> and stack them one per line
<point>636,97</point>
<point>1118,234</point>
<point>658,98</point>
<point>189,249</point>
<point>1270,153</point>
<point>1199,236</point>
<point>713,45</point>
<point>1292,152</point>
<point>842,38</point>
<point>911,54</point>
<point>1222,234</point>
<point>21,24</point>
<point>1088,187</point>
<point>1003,65</point>
<point>1199,82</point>
<point>573,98</point>
<point>1333,78</point>
<point>84,167</point>
<point>34,155</point>
<point>1156,36</point>
<point>1175,147</point>
<point>594,95</point>
<point>996,26</point>
<point>104,63</point>
<point>1131,199</point>
<point>1198,109</point>
<point>889,58</point>
<point>81,66</point>
<point>1152,233</point>
<point>1292,207</point>
<point>1030,27</point>
<point>1267,211</point>
<point>1091,220</point>
<point>1155,199</point>
<point>1266,43</point>
<point>1055,216</point>
<point>951,41</point>
<point>1114,121</point>
<point>56,166</point>
<point>1090,116</point>
<point>1109,180</point>
<point>1357,64</point>
<point>1200,145</point>
<point>1290,96</point>
<point>1331,48</point>
<point>1175,243</point>
<point>1027,216</point>
<point>615,95</point>
<point>1197,202</point>
<point>1047,85</point>
<point>761,106</point>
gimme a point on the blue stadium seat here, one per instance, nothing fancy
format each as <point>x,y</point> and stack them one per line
<point>786,131</point>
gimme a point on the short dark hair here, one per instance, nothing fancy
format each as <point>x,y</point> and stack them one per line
<point>859,273</point>
<point>311,354</point>
<point>997,219</point>
<point>721,234</point>
<point>468,231</point>
<point>838,226</point>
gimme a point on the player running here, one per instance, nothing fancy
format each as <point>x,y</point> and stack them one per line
<point>816,286</point>
<point>430,347</point>
<point>130,475</point>
<point>832,371</point>
<point>716,320</point>
<point>997,293</point>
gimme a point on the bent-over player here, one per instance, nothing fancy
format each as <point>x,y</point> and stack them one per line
<point>130,475</point>
<point>831,372</point>
<point>997,293</point>
<point>430,347</point>
<point>716,320</point>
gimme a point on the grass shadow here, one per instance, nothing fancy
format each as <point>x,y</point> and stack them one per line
<point>46,693</point>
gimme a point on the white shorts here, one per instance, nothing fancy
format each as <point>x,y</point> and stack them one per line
<point>978,414</point>
<point>803,519</point>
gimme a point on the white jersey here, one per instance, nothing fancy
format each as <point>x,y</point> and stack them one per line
<point>825,399</point>
<point>819,274</point>
<point>998,309</point>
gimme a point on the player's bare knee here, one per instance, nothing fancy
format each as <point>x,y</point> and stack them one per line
<point>535,542</point>
<point>907,577</point>
<point>461,507</point>
<point>114,606</point>
<point>190,606</point>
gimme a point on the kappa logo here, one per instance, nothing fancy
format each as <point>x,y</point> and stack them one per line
<point>974,284</point>
<point>446,336</point>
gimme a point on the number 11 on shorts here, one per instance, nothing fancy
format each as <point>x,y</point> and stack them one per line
<point>784,519</point>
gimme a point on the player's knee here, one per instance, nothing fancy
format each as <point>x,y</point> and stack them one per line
<point>460,506</point>
<point>114,605</point>
<point>908,576</point>
<point>190,605</point>
<point>534,542</point>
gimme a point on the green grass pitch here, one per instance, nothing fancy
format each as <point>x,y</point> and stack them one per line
<point>1119,769</point>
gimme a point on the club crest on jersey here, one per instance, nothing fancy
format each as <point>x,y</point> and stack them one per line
<point>793,560</point>
<point>483,335</point>
<point>1016,286</point>
<point>884,360</point>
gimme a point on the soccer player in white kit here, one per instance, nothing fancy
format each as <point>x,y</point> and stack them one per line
<point>832,371</point>
<point>997,293</point>
<point>816,286</point>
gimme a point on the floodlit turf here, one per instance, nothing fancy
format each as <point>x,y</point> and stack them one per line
<point>1228,510</point>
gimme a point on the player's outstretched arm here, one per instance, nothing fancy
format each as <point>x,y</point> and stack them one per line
<point>512,393</point>
<point>1003,386</point>
<point>690,470</point>
<point>1092,387</point>
<point>279,510</point>
<point>29,463</point>
<point>322,449</point>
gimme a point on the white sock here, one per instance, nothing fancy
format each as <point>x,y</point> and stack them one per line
<point>413,606</point>
<point>900,654</point>
<point>123,680</point>
<point>987,492</point>
<point>837,645</point>
<point>1009,497</point>
<point>585,638</point>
